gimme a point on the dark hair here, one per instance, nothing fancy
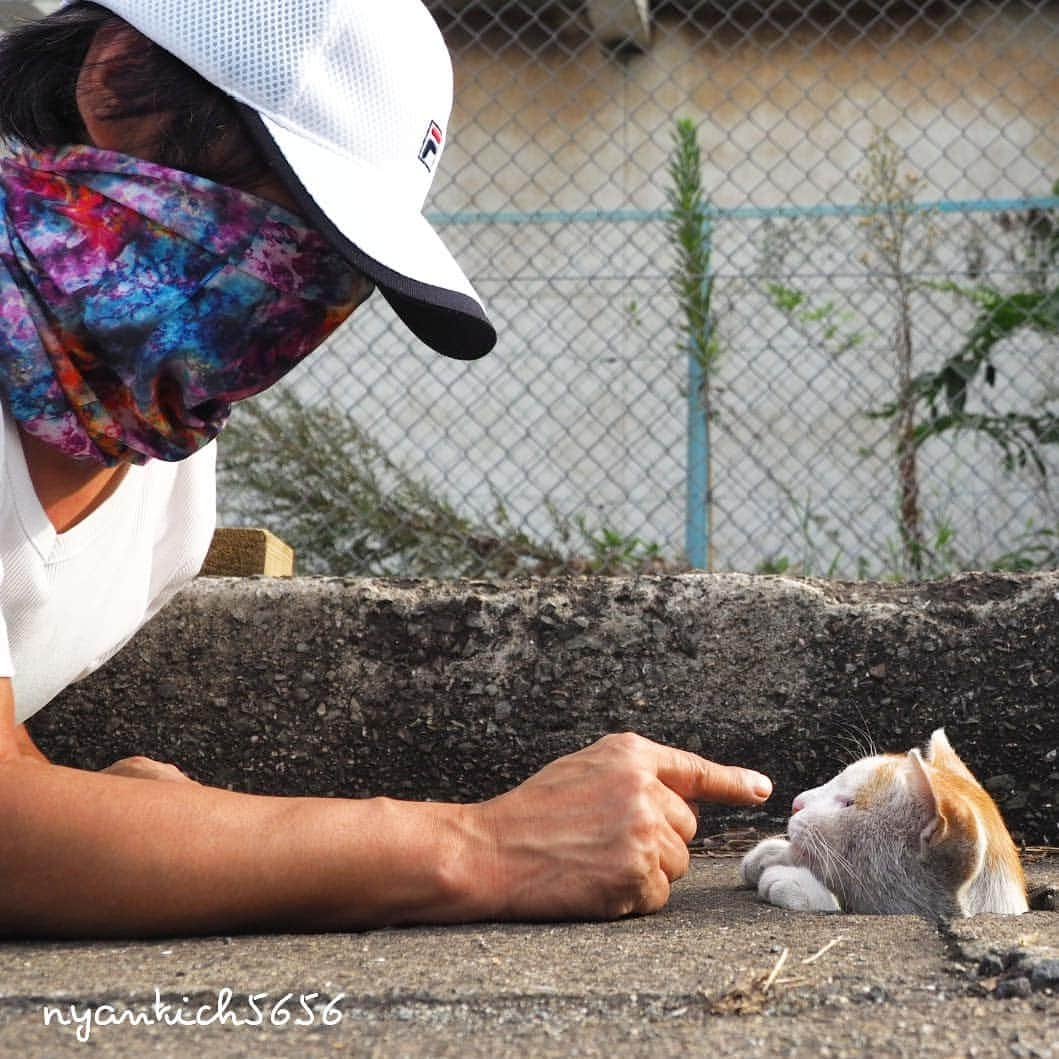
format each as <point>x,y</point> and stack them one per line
<point>201,130</point>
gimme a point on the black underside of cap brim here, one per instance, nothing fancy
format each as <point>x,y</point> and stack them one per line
<point>448,321</point>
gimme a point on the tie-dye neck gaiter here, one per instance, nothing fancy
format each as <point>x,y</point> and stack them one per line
<point>138,302</point>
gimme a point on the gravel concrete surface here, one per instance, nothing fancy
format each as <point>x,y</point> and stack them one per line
<point>692,980</point>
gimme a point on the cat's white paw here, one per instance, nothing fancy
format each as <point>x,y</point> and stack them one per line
<point>788,886</point>
<point>766,853</point>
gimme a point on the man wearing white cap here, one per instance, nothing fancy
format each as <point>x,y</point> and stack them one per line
<point>201,192</point>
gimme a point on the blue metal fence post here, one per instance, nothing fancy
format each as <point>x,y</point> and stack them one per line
<point>697,537</point>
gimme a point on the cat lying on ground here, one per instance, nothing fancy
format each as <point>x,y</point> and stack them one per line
<point>893,833</point>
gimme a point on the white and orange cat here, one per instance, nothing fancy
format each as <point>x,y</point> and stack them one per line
<point>893,833</point>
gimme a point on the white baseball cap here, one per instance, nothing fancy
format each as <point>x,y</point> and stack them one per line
<point>350,100</point>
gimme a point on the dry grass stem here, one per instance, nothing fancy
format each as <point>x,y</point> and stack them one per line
<point>830,945</point>
<point>775,970</point>
<point>1031,854</point>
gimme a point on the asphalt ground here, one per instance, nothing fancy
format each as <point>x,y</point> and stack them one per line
<point>716,973</point>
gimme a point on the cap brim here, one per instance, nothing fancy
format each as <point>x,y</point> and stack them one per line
<point>396,248</point>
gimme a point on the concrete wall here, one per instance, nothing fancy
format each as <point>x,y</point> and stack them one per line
<point>460,690</point>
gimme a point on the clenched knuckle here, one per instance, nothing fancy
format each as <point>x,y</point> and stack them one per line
<point>659,898</point>
<point>643,818</point>
<point>617,906</point>
<point>627,742</point>
<point>683,862</point>
<point>633,779</point>
<point>629,888</point>
<point>638,859</point>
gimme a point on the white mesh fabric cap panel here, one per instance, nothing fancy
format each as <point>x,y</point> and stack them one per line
<point>354,198</point>
<point>362,79</point>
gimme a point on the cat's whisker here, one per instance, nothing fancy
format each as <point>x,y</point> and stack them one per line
<point>848,746</point>
<point>822,849</point>
<point>858,735</point>
<point>846,743</point>
<point>836,865</point>
<point>865,743</point>
<point>872,749</point>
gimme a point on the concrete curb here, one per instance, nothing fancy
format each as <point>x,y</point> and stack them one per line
<point>460,690</point>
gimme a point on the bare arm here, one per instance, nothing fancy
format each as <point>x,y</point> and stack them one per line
<point>91,854</point>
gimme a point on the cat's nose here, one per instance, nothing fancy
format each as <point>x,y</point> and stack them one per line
<point>798,804</point>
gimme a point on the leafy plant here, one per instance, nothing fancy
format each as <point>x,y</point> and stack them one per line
<point>1036,549</point>
<point>900,238</point>
<point>811,526</point>
<point>900,242</point>
<point>1001,315</point>
<point>611,552</point>
<point>692,281</point>
<point>314,477</point>
<point>691,233</point>
<point>822,322</point>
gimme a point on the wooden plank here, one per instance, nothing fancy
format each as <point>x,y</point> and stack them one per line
<point>246,553</point>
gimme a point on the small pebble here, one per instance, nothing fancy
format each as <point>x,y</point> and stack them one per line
<point>1045,974</point>
<point>1013,987</point>
<point>1043,898</point>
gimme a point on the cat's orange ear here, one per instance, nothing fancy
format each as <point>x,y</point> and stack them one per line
<point>941,755</point>
<point>922,788</point>
<point>938,744</point>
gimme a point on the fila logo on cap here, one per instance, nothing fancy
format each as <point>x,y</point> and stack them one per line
<point>431,149</point>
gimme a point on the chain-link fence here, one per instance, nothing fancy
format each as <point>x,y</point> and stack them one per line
<point>881,263</point>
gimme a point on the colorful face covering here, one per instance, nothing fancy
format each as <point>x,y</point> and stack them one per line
<point>138,302</point>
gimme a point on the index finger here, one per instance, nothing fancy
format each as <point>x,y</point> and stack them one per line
<point>699,780</point>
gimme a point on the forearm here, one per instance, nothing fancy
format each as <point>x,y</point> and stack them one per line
<point>86,854</point>
<point>599,833</point>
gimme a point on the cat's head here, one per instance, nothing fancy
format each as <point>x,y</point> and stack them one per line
<point>908,832</point>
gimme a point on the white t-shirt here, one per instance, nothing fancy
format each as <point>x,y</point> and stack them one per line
<point>69,601</point>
